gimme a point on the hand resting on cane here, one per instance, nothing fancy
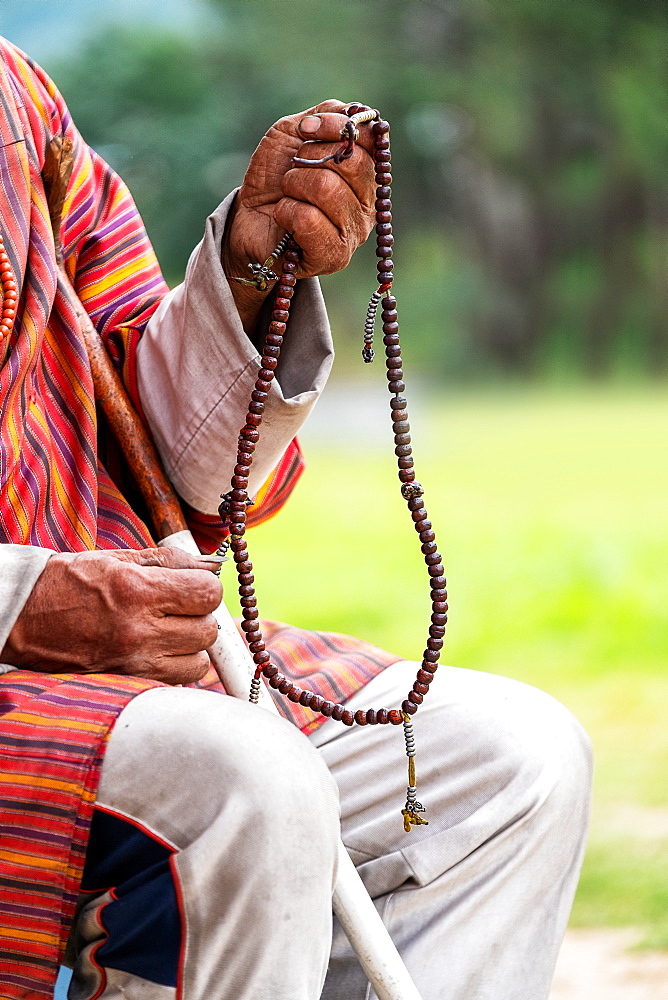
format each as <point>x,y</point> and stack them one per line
<point>147,613</point>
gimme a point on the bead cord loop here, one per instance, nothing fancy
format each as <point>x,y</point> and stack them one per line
<point>9,298</point>
<point>234,503</point>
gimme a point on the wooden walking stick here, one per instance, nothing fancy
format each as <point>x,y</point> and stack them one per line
<point>229,655</point>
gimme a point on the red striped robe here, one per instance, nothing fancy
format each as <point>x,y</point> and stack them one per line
<point>57,492</point>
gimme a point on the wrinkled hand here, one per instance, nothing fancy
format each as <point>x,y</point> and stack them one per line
<point>147,613</point>
<point>328,209</point>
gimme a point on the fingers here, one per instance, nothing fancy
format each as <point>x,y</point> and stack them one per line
<point>325,124</point>
<point>325,248</point>
<point>167,557</point>
<point>171,669</point>
<point>175,592</point>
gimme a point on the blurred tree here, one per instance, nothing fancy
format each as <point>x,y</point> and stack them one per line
<point>528,147</point>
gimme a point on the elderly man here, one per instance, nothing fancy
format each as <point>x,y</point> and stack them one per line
<point>182,843</point>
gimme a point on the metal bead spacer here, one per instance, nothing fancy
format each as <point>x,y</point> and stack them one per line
<point>410,491</point>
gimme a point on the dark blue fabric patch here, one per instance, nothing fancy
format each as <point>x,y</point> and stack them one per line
<point>143,923</point>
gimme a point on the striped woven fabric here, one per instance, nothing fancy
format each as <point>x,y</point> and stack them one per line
<point>53,733</point>
<point>63,486</point>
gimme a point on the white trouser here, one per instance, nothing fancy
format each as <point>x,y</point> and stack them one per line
<point>477,901</point>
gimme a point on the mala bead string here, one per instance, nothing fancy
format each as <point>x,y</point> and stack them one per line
<point>235,502</point>
<point>9,298</point>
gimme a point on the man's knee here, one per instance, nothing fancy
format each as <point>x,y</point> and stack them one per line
<point>182,758</point>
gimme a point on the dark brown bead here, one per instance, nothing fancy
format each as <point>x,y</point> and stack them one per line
<point>415,697</point>
<point>338,712</point>
<point>266,375</point>
<point>239,483</point>
<point>271,352</point>
<point>276,328</point>
<point>383,251</point>
<point>402,450</point>
<point>438,594</point>
<point>406,475</point>
<point>394,374</point>
<point>280,315</point>
<point>390,329</point>
<point>381,142</point>
<point>385,241</point>
<point>246,579</point>
<point>273,340</point>
<point>249,627</point>
<point>389,302</point>
<point>397,385</point>
<point>360,717</point>
<point>440,618</point>
<point>408,707</point>
<point>424,522</point>
<point>383,716</point>
<point>382,156</point>
<point>435,644</point>
<point>394,364</point>
<point>427,535</point>
<point>381,127</point>
<point>285,292</point>
<point>385,265</point>
<point>260,658</point>
<point>429,668</point>
<point>254,419</point>
<point>398,403</point>
<point>383,217</point>
<point>395,717</point>
<point>316,703</point>
<point>270,671</point>
<point>250,614</point>
<point>254,407</point>
<point>289,267</point>
<point>347,718</point>
<point>439,583</point>
<point>248,602</point>
<point>383,205</point>
<point>245,567</point>
<point>389,315</point>
<point>286,686</point>
<point>436,569</point>
<point>305,698</point>
<point>246,591</point>
<point>430,655</point>
<point>384,229</point>
<point>277,680</point>
<point>287,280</point>
<point>383,194</point>
<point>400,438</point>
<point>433,559</point>
<point>392,350</point>
<point>268,364</point>
<point>428,548</point>
<point>371,717</point>
<point>295,693</point>
<point>281,303</point>
<point>437,631</point>
<point>383,179</point>
<point>255,645</point>
<point>327,709</point>
<point>259,396</point>
<point>246,457</point>
<point>424,678</point>
<point>250,434</point>
<point>262,385</point>
<point>439,606</point>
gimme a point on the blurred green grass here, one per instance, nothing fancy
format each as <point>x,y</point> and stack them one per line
<point>550,509</point>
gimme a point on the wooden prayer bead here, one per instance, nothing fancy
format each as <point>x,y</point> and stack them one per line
<point>286,686</point>
<point>371,717</point>
<point>434,644</point>
<point>260,658</point>
<point>423,677</point>
<point>408,707</point>
<point>294,694</point>
<point>347,718</point>
<point>338,712</point>
<point>415,697</point>
<point>383,716</point>
<point>306,698</point>
<point>360,717</point>
<point>327,709</point>
<point>395,717</point>
<point>316,703</point>
<point>437,631</point>
<point>277,680</point>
